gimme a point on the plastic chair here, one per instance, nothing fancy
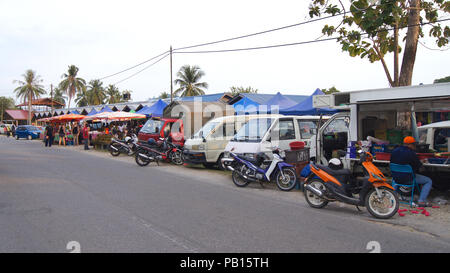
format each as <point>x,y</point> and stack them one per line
<point>405,169</point>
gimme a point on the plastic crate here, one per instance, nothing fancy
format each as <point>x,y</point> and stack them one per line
<point>436,160</point>
<point>383,156</point>
<point>377,148</point>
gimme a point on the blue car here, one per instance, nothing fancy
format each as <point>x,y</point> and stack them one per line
<point>28,132</point>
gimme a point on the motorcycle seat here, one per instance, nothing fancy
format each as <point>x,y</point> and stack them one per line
<point>342,175</point>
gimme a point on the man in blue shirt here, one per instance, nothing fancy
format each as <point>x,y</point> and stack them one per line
<point>406,155</point>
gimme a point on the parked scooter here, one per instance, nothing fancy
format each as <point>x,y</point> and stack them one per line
<point>246,170</point>
<point>165,150</point>
<point>128,146</point>
<point>375,193</point>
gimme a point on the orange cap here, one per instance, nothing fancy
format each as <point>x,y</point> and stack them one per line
<point>409,140</point>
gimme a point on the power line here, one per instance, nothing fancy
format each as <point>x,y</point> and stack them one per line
<point>165,56</point>
<point>296,43</point>
<point>274,29</point>
<point>134,66</point>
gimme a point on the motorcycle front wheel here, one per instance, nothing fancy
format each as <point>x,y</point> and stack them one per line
<point>176,157</point>
<point>286,179</point>
<point>382,206</point>
<point>238,179</point>
<point>140,160</point>
<point>113,151</point>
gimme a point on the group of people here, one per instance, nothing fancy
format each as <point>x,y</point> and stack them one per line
<point>63,131</point>
<point>80,133</point>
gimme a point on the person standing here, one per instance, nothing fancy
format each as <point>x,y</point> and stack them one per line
<point>86,136</point>
<point>48,135</point>
<point>62,135</point>
<point>75,133</point>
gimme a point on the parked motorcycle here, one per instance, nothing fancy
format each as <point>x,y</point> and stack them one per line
<point>128,146</point>
<point>375,193</point>
<point>165,150</point>
<point>246,170</point>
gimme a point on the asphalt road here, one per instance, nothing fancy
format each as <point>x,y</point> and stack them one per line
<point>52,196</point>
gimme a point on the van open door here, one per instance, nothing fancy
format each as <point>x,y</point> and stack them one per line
<point>333,135</point>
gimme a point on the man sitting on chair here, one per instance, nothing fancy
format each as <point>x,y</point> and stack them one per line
<point>406,155</point>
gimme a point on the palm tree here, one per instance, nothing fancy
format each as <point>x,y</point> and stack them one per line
<point>188,79</point>
<point>71,84</point>
<point>96,93</point>
<point>29,89</point>
<point>58,95</point>
<point>113,94</point>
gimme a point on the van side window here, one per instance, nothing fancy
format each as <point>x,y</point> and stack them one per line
<point>307,128</point>
<point>287,130</point>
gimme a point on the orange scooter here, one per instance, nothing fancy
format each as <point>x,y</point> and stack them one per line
<point>326,185</point>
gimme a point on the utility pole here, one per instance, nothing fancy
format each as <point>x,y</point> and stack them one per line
<point>171,85</point>
<point>51,96</point>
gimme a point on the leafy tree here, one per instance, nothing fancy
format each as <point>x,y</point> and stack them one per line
<point>188,79</point>
<point>163,95</point>
<point>113,94</point>
<point>446,79</point>
<point>72,84</point>
<point>330,90</point>
<point>30,88</point>
<point>238,90</point>
<point>5,104</point>
<point>58,95</point>
<point>96,93</point>
<point>372,28</point>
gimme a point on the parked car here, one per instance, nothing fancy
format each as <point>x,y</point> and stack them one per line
<point>4,128</point>
<point>28,132</point>
<point>155,128</point>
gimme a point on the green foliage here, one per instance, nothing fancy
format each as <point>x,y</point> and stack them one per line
<point>445,79</point>
<point>112,94</point>
<point>71,84</point>
<point>164,95</point>
<point>5,104</point>
<point>367,30</point>
<point>189,81</point>
<point>238,90</point>
<point>330,90</point>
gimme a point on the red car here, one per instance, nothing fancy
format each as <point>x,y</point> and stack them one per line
<point>155,127</point>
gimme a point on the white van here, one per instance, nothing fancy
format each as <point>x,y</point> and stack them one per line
<point>260,135</point>
<point>437,135</point>
<point>208,144</point>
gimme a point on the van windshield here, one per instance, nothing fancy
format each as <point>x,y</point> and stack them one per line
<point>206,129</point>
<point>254,130</point>
<point>152,126</point>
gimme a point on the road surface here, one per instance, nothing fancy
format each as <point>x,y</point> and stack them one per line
<point>53,199</point>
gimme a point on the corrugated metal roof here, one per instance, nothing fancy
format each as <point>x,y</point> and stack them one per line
<point>18,114</point>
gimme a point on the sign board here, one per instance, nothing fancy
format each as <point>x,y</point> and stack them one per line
<point>323,101</point>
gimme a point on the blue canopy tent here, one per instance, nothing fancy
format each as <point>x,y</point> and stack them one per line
<point>246,105</point>
<point>74,112</point>
<point>156,110</point>
<point>105,109</point>
<point>306,107</point>
<point>279,102</point>
<point>93,112</point>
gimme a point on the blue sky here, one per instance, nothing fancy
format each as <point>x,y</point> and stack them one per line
<point>104,37</point>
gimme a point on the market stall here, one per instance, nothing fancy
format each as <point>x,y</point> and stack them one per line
<point>101,135</point>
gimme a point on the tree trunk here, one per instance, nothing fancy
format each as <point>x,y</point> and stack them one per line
<point>29,107</point>
<point>412,38</point>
